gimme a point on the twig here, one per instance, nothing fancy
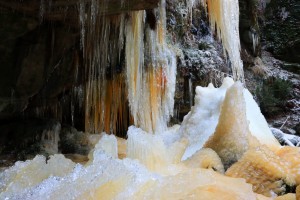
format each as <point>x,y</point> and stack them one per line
<point>284,123</point>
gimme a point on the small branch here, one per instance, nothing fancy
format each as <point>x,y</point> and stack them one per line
<point>288,117</point>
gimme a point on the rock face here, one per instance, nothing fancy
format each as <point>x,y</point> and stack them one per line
<point>249,25</point>
<point>42,71</point>
<point>200,59</point>
<point>41,55</point>
<point>26,138</point>
<point>39,61</point>
<point>282,20</point>
<point>276,24</point>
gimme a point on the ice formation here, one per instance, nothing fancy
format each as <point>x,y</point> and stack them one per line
<point>150,71</point>
<point>147,81</point>
<point>291,155</point>
<point>171,164</point>
<point>224,19</point>
<point>267,172</point>
<point>50,139</point>
<point>152,168</point>
<point>139,91</point>
<point>25,175</point>
<point>255,40</point>
<point>109,144</point>
<point>140,146</point>
<point>205,158</point>
<point>200,123</point>
<point>105,177</point>
<point>105,92</point>
<point>257,123</point>
<point>231,138</point>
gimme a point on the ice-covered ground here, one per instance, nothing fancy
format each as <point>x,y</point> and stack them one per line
<point>153,167</point>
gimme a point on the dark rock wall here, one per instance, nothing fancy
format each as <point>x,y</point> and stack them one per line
<point>38,62</point>
<point>282,29</point>
<point>250,29</point>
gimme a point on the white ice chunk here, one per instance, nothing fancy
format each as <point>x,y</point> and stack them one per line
<point>24,175</point>
<point>147,148</point>
<point>257,123</point>
<point>109,144</point>
<point>200,123</point>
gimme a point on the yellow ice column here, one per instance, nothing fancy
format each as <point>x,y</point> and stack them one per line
<point>224,19</point>
<point>232,136</point>
<point>150,72</point>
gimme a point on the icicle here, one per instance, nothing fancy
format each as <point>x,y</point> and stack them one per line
<point>42,9</point>
<point>191,4</point>
<point>82,20</point>
<point>255,40</point>
<point>151,70</point>
<point>135,61</point>
<point>225,15</point>
<point>149,79</point>
<point>191,92</point>
<point>50,139</point>
<point>102,40</point>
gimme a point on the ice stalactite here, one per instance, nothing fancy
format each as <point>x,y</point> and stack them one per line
<point>145,83</point>
<point>255,40</point>
<point>191,4</point>
<point>150,72</point>
<point>224,20</point>
<point>135,60</point>
<point>50,139</point>
<point>102,41</point>
<point>225,15</point>
<point>191,92</point>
